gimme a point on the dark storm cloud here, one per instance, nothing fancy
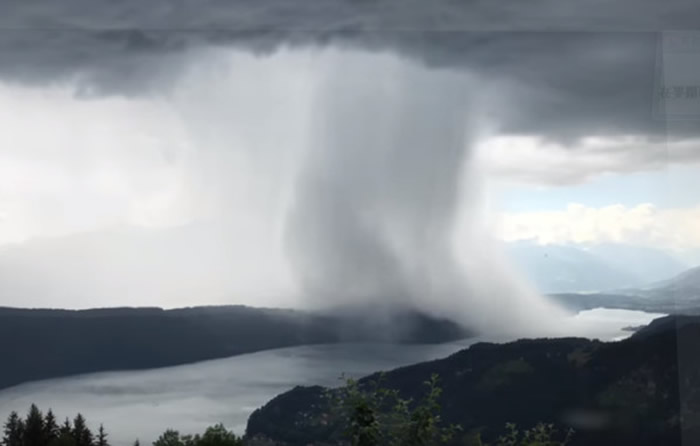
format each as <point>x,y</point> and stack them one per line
<point>361,15</point>
<point>570,78</point>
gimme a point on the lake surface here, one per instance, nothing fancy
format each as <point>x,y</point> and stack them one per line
<point>142,404</point>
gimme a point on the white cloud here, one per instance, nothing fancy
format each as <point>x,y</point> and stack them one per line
<point>70,164</point>
<point>644,225</point>
<point>533,160</point>
<point>154,200</point>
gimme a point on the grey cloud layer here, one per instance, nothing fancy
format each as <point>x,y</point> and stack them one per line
<point>603,83</point>
<point>556,69</point>
<point>564,77</point>
<point>355,15</point>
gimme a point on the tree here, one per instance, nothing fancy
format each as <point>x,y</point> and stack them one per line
<point>218,435</point>
<point>169,438</point>
<point>363,410</point>
<point>81,433</point>
<point>13,430</point>
<point>378,416</point>
<point>540,435</point>
<point>64,436</point>
<point>63,439</point>
<point>421,425</point>
<point>21,428</point>
<point>66,428</point>
<point>34,434</point>
<point>102,437</point>
<point>51,430</point>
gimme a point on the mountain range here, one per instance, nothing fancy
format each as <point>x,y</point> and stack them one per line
<point>677,295</point>
<point>595,268</point>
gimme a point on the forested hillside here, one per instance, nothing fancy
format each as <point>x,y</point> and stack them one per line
<point>39,344</point>
<point>640,391</point>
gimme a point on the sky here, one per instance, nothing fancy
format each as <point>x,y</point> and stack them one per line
<point>261,154</point>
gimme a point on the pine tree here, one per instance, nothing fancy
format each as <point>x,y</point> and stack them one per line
<point>102,437</point>
<point>137,443</point>
<point>218,435</point>
<point>63,440</point>
<point>66,428</point>
<point>34,428</point>
<point>13,430</point>
<point>81,433</point>
<point>20,430</point>
<point>65,435</point>
<point>51,430</point>
<point>169,438</point>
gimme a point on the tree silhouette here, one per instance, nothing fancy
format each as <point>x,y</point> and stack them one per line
<point>34,434</point>
<point>13,430</point>
<point>169,438</point>
<point>64,440</point>
<point>66,428</point>
<point>81,433</point>
<point>51,430</point>
<point>65,435</point>
<point>39,430</point>
<point>102,437</point>
<point>218,435</point>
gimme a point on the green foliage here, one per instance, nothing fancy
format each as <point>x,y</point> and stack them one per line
<point>371,415</point>
<point>539,435</point>
<point>378,416</point>
<point>375,416</point>
<point>169,438</point>
<point>422,426</point>
<point>216,435</point>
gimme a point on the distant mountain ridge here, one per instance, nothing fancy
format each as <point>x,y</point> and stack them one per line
<point>687,281</point>
<point>596,268</point>
<point>40,343</point>
<point>677,295</point>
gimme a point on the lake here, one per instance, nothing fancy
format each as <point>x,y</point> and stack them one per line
<point>142,404</point>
